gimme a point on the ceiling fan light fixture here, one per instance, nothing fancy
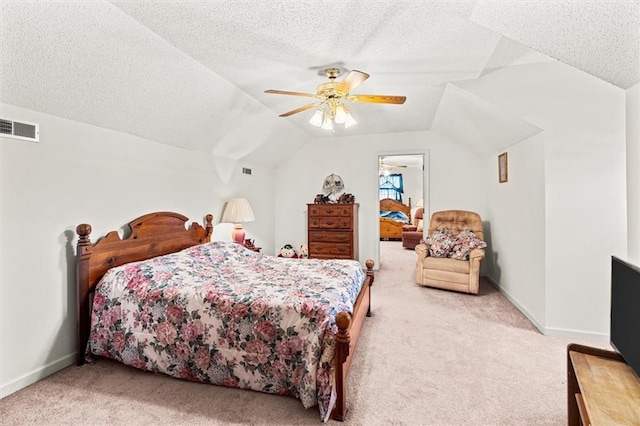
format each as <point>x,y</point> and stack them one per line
<point>327,123</point>
<point>317,118</point>
<point>331,97</point>
<point>341,114</point>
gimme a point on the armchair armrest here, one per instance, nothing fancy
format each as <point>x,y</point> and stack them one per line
<point>407,228</point>
<point>422,251</point>
<point>476,254</point>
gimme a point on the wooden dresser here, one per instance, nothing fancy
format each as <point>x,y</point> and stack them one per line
<point>332,231</point>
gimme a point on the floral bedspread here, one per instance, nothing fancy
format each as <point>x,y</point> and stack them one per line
<point>219,313</point>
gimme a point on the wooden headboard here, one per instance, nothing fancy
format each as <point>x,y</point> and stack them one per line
<point>391,205</point>
<point>152,235</point>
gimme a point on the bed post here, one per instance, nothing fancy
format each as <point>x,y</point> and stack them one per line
<point>209,228</point>
<point>83,254</point>
<point>369,265</point>
<point>343,341</point>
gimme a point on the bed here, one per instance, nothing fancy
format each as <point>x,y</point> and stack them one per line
<point>166,299</point>
<point>393,215</point>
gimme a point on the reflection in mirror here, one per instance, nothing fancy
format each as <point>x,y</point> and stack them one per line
<point>401,194</point>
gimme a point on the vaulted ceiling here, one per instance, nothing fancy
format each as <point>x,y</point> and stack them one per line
<point>193,74</point>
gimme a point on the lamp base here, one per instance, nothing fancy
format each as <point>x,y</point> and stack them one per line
<point>237,234</point>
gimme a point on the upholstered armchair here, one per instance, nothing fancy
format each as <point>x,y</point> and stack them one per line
<point>412,234</point>
<point>448,273</point>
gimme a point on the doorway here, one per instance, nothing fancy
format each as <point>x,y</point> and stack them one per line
<point>401,186</point>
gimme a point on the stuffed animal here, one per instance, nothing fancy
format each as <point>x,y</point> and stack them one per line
<point>321,199</point>
<point>347,198</point>
<point>304,252</point>
<point>288,251</point>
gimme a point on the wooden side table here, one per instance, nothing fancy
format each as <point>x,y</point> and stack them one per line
<point>601,388</point>
<point>249,244</point>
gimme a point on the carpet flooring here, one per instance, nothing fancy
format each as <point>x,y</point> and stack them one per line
<point>425,357</point>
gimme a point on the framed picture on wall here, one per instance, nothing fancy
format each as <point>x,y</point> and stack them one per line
<point>503,175</point>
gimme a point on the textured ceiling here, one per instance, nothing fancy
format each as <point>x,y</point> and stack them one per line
<point>193,74</point>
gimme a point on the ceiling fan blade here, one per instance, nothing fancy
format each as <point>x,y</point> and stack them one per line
<point>302,108</point>
<point>284,92</point>
<point>377,99</point>
<point>353,80</point>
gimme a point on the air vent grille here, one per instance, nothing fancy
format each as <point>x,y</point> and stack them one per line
<point>19,130</point>
<point>6,127</point>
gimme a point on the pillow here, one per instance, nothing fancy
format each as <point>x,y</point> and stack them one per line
<point>420,226</point>
<point>440,242</point>
<point>464,243</point>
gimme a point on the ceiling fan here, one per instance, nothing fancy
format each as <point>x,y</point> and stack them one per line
<point>384,167</point>
<point>331,97</point>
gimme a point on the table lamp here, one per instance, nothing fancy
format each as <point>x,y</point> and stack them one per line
<point>237,211</point>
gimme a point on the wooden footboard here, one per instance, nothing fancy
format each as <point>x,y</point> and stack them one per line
<point>390,229</point>
<point>349,327</point>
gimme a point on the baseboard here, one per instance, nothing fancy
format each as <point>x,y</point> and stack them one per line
<point>580,335</point>
<point>39,374</point>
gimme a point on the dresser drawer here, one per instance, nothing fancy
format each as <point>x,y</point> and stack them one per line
<point>329,249</point>
<point>329,222</point>
<point>329,210</point>
<point>329,237</point>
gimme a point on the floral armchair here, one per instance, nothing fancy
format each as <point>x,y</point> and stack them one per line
<point>450,257</point>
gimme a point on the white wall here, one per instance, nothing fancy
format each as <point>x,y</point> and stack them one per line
<point>413,180</point>
<point>299,179</point>
<point>514,228</point>
<point>633,174</point>
<point>81,173</point>
<point>586,204</point>
<point>585,192</point>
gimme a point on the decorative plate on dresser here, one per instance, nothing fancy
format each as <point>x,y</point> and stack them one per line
<point>333,231</point>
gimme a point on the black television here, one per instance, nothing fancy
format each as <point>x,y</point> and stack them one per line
<point>625,311</point>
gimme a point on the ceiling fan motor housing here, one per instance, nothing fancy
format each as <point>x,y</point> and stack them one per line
<point>332,90</point>
<point>332,73</point>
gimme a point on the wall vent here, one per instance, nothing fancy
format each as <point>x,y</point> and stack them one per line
<point>19,130</point>
<point>246,171</point>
